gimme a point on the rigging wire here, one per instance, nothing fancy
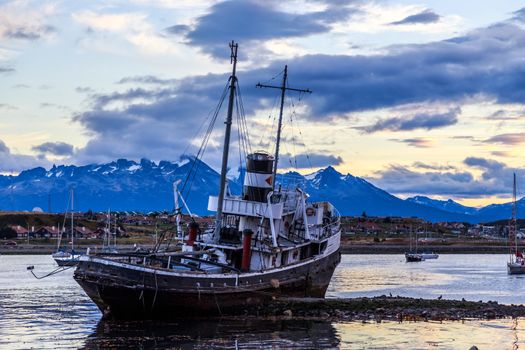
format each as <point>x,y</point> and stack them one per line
<point>190,177</point>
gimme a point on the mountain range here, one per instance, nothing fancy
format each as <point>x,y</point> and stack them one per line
<point>126,185</point>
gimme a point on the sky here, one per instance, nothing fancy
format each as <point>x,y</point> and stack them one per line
<point>417,97</point>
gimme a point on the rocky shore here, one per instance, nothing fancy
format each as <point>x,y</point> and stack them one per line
<point>386,308</point>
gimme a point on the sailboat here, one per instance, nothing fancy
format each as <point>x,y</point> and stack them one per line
<point>268,242</point>
<point>516,263</point>
<point>109,240</point>
<point>413,256</point>
<point>63,256</point>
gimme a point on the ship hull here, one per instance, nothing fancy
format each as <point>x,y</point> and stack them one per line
<point>515,269</point>
<point>128,291</point>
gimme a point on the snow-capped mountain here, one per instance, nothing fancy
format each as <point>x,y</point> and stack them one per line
<point>147,186</point>
<point>448,205</point>
<point>119,185</point>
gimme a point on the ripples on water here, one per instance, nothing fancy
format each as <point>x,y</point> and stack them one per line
<point>54,313</point>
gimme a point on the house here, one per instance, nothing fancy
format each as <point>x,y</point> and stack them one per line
<point>21,231</point>
<point>84,232</point>
<point>47,232</point>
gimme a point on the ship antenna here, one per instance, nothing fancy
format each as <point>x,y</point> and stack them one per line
<point>283,89</point>
<point>227,134</point>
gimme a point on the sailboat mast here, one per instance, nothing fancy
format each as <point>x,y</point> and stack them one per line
<point>72,228</point>
<point>514,214</point>
<point>226,149</point>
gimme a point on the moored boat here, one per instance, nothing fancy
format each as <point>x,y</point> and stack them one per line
<point>268,242</point>
<point>516,263</point>
<point>67,256</point>
<point>414,257</point>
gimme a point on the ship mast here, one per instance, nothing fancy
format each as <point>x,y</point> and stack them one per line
<point>283,89</point>
<point>226,149</point>
<point>512,228</point>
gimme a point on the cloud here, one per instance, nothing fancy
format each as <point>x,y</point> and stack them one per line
<point>424,17</point>
<point>26,20</point>
<point>54,148</point>
<point>151,118</point>
<point>6,70</point>
<point>419,142</point>
<point>146,79</point>
<point>29,33</point>
<point>312,160</point>
<point>507,139</point>
<point>7,106</point>
<point>519,15</point>
<point>419,121</point>
<point>500,154</point>
<point>260,22</point>
<point>10,162</point>
<point>495,179</point>
<point>134,28</point>
<point>421,165</point>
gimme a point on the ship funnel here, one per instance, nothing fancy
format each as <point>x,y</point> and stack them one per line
<point>258,181</point>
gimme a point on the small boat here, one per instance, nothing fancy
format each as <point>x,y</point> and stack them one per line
<point>268,242</point>
<point>413,256</point>
<point>64,256</point>
<point>109,240</point>
<point>516,263</point>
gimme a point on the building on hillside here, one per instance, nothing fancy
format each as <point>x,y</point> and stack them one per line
<point>46,232</point>
<point>84,232</point>
<point>21,231</point>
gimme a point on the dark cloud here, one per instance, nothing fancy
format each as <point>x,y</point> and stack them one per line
<point>419,121</point>
<point>259,22</point>
<point>520,15</point>
<point>21,86</point>
<point>507,139</point>
<point>6,70</point>
<point>178,29</point>
<point>424,17</point>
<point>495,180</point>
<point>312,160</point>
<point>29,33</point>
<point>418,142</point>
<point>502,114</point>
<point>54,148</point>
<point>421,165</point>
<point>10,162</point>
<point>155,119</point>
<point>500,153</point>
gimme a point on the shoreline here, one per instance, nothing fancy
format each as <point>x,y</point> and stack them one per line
<point>346,248</point>
<point>386,308</point>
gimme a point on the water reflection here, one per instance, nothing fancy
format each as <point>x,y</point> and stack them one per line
<point>222,334</point>
<point>54,313</point>
<point>454,276</point>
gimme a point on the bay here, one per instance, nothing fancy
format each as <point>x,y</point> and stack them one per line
<point>54,312</point>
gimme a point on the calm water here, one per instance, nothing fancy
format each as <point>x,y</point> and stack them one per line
<point>54,313</point>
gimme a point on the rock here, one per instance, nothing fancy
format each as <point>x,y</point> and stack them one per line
<point>473,347</point>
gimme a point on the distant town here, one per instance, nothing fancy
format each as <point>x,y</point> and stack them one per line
<point>22,228</point>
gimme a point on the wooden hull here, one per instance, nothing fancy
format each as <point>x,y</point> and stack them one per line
<point>131,291</point>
